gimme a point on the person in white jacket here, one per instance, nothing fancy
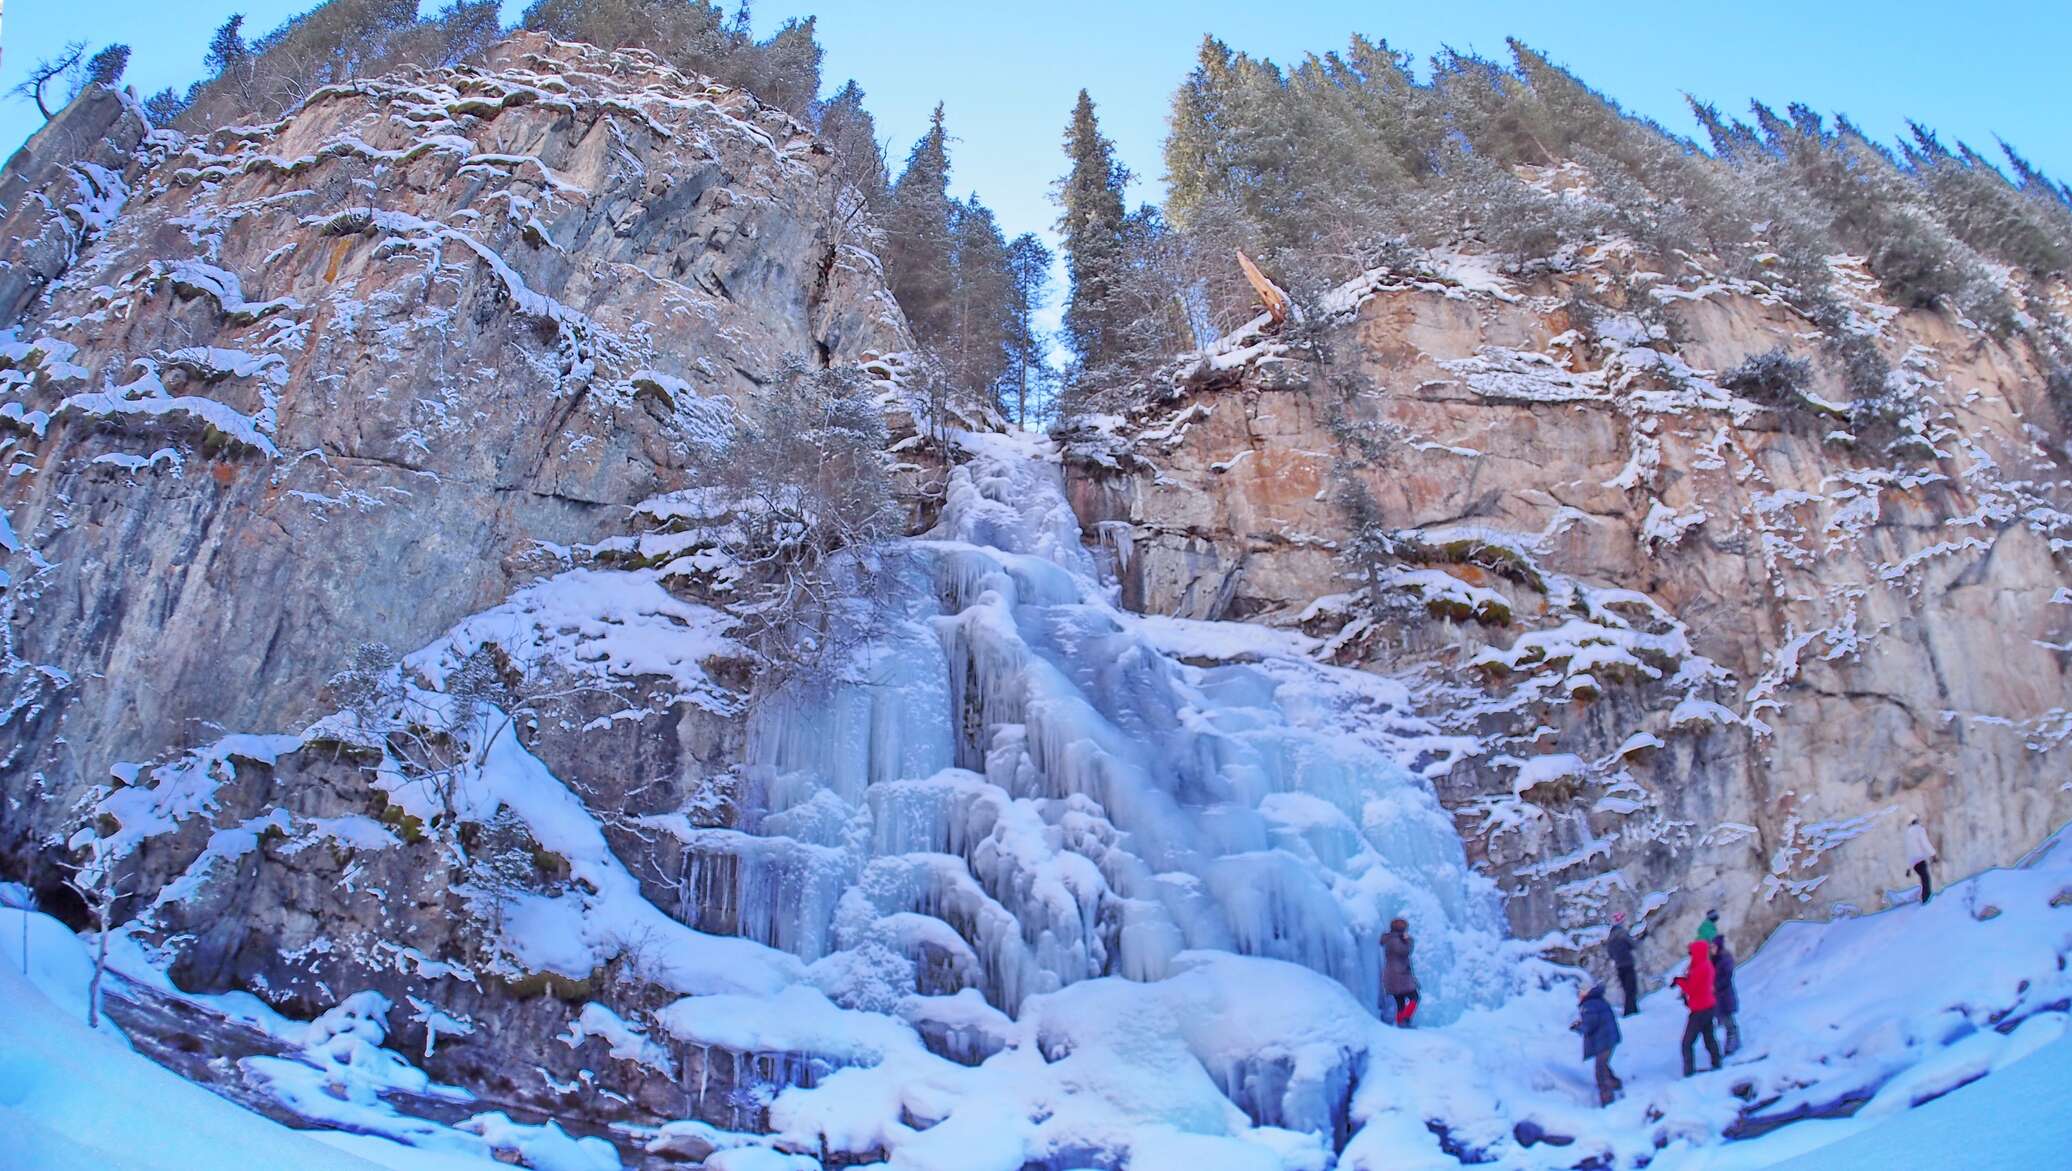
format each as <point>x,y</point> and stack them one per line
<point>1919,852</point>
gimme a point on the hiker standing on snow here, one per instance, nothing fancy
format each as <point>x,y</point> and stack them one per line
<point>1619,946</point>
<point>1710,927</point>
<point>1727,1001</point>
<point>1397,980</point>
<point>1600,1031</point>
<point>1920,851</point>
<point>1696,984</point>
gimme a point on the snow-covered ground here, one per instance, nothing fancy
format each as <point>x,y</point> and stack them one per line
<point>79,1099</point>
<point>1959,1006</point>
<point>2016,1121</point>
<point>1892,1010</point>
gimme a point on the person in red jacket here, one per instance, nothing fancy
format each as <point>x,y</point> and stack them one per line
<point>1697,987</point>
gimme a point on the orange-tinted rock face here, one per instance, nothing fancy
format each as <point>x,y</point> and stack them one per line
<point>1748,643</point>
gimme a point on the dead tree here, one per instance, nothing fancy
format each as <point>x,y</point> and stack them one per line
<point>65,66</point>
<point>97,880</point>
<point>1271,297</point>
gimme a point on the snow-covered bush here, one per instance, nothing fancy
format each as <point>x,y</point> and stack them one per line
<point>790,506</point>
<point>1776,379</point>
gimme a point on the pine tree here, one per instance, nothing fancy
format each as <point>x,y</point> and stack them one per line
<point>1092,228</point>
<point>1370,545</point>
<point>952,271</point>
<point>1983,209</point>
<point>164,106</point>
<point>1394,105</point>
<point>1320,169</point>
<point>1346,144</point>
<point>1156,288</point>
<point>1029,383</point>
<point>1495,109</point>
<point>458,32</point>
<point>1260,144</point>
<point>106,66</point>
<point>1194,170</point>
<point>334,41</point>
<point>2032,182</point>
<point>692,35</point>
<point>849,133</point>
<point>917,225</point>
<point>975,351</point>
<point>1870,207</point>
<point>227,47</point>
<point>790,68</point>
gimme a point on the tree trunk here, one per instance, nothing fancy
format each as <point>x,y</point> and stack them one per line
<point>93,988</point>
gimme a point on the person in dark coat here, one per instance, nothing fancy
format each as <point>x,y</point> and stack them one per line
<point>1397,980</point>
<point>1696,985</point>
<point>1619,946</point>
<point>1600,1031</point>
<point>1727,1001</point>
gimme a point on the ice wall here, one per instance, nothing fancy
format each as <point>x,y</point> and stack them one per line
<point>1018,786</point>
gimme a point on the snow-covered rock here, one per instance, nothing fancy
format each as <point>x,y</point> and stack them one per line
<point>396,368</point>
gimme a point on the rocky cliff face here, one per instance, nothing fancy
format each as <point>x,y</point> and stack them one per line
<point>61,188</point>
<point>356,376</point>
<point>353,375</point>
<point>1684,650</point>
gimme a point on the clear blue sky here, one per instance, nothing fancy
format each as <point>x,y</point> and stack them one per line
<point>1008,71</point>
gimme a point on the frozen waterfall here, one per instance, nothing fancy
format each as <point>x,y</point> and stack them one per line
<point>1018,786</point>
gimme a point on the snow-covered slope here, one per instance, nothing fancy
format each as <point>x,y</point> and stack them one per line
<point>1942,1030</point>
<point>2014,1122</point>
<point>75,1099</point>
